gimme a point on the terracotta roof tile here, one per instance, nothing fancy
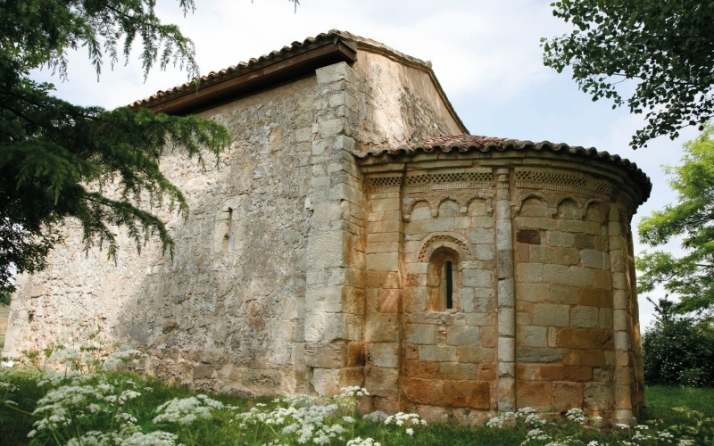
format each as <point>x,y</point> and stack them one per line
<point>254,63</point>
<point>484,144</point>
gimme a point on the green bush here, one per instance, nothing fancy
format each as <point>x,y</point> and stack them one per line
<point>678,349</point>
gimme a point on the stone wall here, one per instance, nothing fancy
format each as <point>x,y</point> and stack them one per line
<point>226,312</point>
<point>356,108</point>
<point>455,282</point>
<point>544,310</point>
<point>266,293</point>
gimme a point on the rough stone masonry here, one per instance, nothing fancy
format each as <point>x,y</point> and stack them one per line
<point>347,238</point>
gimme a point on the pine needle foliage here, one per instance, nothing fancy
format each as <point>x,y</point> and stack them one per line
<point>101,167</point>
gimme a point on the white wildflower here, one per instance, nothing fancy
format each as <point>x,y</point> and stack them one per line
<point>536,434</point>
<point>576,415</point>
<point>410,431</point>
<point>117,359</point>
<point>156,438</point>
<point>525,411</point>
<point>535,420</point>
<point>353,391</point>
<point>124,417</point>
<point>501,420</point>
<point>363,442</point>
<point>7,364</point>
<point>186,410</point>
<point>96,438</point>
<point>402,418</point>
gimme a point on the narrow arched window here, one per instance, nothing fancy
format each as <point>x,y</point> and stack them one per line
<point>443,279</point>
<point>228,238</point>
<point>449,285</point>
<point>230,229</point>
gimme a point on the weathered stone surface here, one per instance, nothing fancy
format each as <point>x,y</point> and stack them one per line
<point>557,238</point>
<point>421,334</point>
<point>530,236</point>
<point>464,336</point>
<point>453,281</point>
<point>551,315</point>
<point>529,336</point>
<point>478,278</point>
<point>535,394</point>
<point>585,317</point>
<point>545,355</point>
<point>455,370</point>
<point>437,353</point>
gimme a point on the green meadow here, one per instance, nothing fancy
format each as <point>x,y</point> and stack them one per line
<point>99,407</point>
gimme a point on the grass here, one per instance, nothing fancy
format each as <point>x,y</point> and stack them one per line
<point>226,426</point>
<point>661,399</point>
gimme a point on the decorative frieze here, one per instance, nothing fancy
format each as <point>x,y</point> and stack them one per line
<point>384,183</point>
<point>448,180</point>
<point>550,179</point>
<point>434,199</point>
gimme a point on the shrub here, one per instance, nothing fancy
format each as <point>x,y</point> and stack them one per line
<point>678,349</point>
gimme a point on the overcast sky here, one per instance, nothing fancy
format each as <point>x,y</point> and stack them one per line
<point>486,55</point>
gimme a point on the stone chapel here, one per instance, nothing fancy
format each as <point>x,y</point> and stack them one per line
<point>356,234</point>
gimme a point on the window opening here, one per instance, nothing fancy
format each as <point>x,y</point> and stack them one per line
<point>449,286</point>
<point>442,280</point>
<point>229,246</point>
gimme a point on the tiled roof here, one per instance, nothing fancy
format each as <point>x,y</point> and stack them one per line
<point>484,144</point>
<point>221,84</point>
<point>241,67</point>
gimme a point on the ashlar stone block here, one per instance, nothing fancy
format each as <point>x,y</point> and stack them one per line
<point>558,238</point>
<point>532,336</point>
<point>477,278</point>
<point>585,317</point>
<point>421,334</point>
<point>464,335</point>
<point>437,353</point>
<point>551,315</point>
<point>454,370</point>
<point>542,355</point>
<point>529,272</point>
<point>383,354</point>
<point>591,258</point>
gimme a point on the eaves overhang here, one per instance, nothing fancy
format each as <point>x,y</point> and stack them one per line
<point>290,63</point>
<point>464,144</point>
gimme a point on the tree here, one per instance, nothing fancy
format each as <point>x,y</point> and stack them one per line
<point>678,350</point>
<point>665,47</point>
<point>691,276</point>
<point>58,159</point>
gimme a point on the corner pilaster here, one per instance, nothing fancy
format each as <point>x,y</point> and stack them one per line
<point>334,296</point>
<point>506,295</point>
<point>622,318</point>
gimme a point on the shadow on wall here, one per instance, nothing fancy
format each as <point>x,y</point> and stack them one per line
<point>225,314</point>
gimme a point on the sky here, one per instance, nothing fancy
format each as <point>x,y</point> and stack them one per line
<point>486,55</point>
